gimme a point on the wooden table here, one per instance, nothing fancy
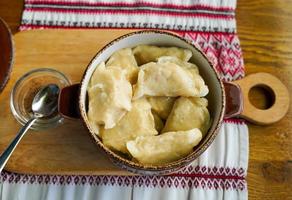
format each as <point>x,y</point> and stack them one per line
<point>265,31</point>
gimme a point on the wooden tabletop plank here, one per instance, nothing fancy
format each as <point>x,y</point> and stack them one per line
<point>265,33</point>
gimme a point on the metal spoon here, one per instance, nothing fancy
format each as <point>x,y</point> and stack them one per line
<point>44,104</point>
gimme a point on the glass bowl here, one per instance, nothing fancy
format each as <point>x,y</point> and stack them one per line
<point>26,88</point>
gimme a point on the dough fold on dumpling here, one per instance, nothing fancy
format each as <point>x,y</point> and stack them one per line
<point>125,60</point>
<point>148,53</point>
<point>188,113</point>
<point>168,79</point>
<point>137,122</point>
<point>164,148</point>
<point>109,95</point>
<point>161,105</point>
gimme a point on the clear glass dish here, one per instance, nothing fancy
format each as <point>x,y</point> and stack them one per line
<point>24,91</point>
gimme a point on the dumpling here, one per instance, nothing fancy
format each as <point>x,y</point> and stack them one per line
<point>190,67</point>
<point>148,53</point>
<point>125,60</point>
<point>137,122</point>
<point>188,113</point>
<point>110,96</point>
<point>164,148</point>
<point>169,59</point>
<point>158,122</point>
<point>161,105</point>
<point>168,79</point>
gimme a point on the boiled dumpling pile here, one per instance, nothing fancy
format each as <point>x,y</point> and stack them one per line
<point>148,103</point>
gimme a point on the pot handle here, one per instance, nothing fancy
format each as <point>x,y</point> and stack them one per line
<point>238,104</point>
<point>68,102</point>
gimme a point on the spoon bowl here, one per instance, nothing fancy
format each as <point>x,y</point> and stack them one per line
<point>44,103</point>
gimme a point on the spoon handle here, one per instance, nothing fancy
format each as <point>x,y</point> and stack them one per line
<point>7,153</point>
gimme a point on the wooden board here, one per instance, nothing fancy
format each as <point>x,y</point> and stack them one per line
<point>67,149</point>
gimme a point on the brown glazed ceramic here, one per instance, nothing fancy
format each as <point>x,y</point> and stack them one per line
<point>225,99</point>
<point>6,53</point>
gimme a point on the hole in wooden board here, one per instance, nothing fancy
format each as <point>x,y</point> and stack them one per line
<point>261,96</point>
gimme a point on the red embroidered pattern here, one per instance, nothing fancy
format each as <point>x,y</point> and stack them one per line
<point>234,121</point>
<point>213,171</point>
<point>223,50</point>
<point>194,177</point>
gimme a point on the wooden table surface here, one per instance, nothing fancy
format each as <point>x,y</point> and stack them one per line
<point>265,31</point>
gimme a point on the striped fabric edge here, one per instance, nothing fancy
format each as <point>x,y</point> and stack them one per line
<point>196,17</point>
<point>218,178</point>
<point>225,5</point>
